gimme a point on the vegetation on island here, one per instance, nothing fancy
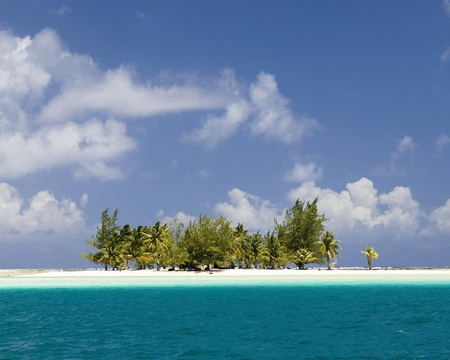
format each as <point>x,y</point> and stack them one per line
<point>370,254</point>
<point>207,242</point>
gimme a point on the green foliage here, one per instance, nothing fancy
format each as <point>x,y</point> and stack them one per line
<point>255,248</point>
<point>302,228</point>
<point>116,247</point>
<point>207,241</point>
<point>274,254</point>
<point>370,254</point>
<point>304,256</point>
<point>106,241</point>
<point>240,244</point>
<point>329,247</point>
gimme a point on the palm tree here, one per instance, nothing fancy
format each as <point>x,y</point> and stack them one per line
<point>112,253</point>
<point>159,238</point>
<point>254,247</point>
<point>370,254</point>
<point>105,241</point>
<point>274,253</point>
<point>303,256</point>
<point>329,247</point>
<point>240,236</point>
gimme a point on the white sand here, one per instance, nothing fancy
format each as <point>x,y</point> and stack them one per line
<point>81,278</point>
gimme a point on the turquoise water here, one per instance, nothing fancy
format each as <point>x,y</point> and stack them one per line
<point>402,321</point>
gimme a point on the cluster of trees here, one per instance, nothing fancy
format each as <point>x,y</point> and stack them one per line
<point>300,238</point>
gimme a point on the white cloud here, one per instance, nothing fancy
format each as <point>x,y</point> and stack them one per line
<point>254,212</point>
<point>301,173</point>
<point>90,147</point>
<point>274,119</point>
<point>360,207</point>
<point>84,200</point>
<point>43,213</point>
<point>19,74</point>
<point>117,95</point>
<point>49,98</point>
<point>403,213</point>
<point>445,56</point>
<point>265,109</point>
<point>440,217</point>
<point>440,144</point>
<point>61,11</point>
<point>446,5</point>
<point>405,145</point>
<point>401,161</point>
<point>180,216</point>
<point>217,129</point>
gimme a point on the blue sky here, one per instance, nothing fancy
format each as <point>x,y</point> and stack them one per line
<point>225,108</point>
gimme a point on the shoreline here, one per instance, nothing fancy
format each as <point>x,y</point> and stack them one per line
<point>93,271</point>
<point>92,278</point>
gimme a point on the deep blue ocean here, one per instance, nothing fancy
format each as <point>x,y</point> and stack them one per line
<point>226,322</point>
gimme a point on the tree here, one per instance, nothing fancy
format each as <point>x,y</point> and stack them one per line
<point>126,237</point>
<point>254,249</point>
<point>274,253</point>
<point>105,241</point>
<point>370,254</point>
<point>240,244</point>
<point>158,242</point>
<point>207,241</point>
<point>329,247</point>
<point>304,256</point>
<point>302,228</point>
<point>137,249</point>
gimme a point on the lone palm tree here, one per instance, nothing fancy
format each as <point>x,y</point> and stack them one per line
<point>303,256</point>
<point>370,254</point>
<point>329,247</point>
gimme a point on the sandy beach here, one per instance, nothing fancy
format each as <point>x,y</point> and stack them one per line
<point>62,278</point>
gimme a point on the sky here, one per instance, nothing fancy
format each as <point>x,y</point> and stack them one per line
<point>225,108</point>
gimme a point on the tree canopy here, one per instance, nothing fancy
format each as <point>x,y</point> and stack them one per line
<point>207,241</point>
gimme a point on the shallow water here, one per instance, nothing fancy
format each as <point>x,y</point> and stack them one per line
<point>322,321</point>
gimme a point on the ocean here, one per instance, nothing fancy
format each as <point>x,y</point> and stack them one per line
<point>288,321</point>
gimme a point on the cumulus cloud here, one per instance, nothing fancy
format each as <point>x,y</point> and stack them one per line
<point>264,109</point>
<point>405,145</point>
<point>301,173</point>
<point>440,218</point>
<point>180,216</point>
<point>254,212</point>
<point>360,206</point>
<point>43,213</point>
<point>401,161</point>
<point>84,200</point>
<point>274,119</point>
<point>60,109</point>
<point>441,144</point>
<point>87,147</point>
<point>217,129</point>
